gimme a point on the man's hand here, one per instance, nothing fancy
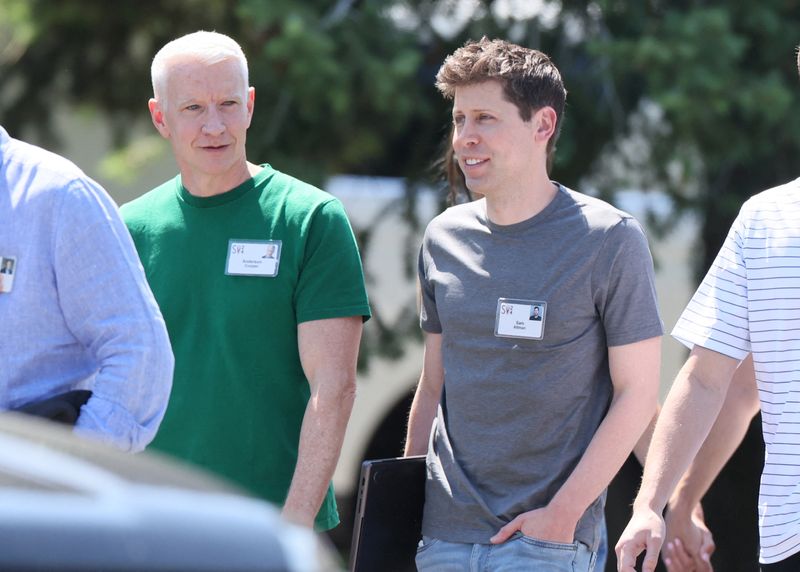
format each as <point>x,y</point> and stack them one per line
<point>645,532</point>
<point>541,524</point>
<point>689,543</point>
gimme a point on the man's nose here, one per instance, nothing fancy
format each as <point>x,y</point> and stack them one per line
<point>214,124</point>
<point>465,135</point>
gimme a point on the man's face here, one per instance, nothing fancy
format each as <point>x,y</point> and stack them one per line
<point>494,146</point>
<point>206,116</point>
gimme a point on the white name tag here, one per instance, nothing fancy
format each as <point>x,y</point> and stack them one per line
<point>8,269</point>
<point>253,257</point>
<point>520,319</point>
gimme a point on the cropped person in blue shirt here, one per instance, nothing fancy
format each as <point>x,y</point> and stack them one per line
<point>78,314</point>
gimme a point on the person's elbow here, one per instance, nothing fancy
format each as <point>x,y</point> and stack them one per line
<point>743,397</point>
<point>347,390</point>
<point>335,391</point>
<point>155,387</point>
<point>641,398</point>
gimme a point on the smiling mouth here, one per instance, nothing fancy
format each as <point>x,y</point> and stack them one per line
<point>473,162</point>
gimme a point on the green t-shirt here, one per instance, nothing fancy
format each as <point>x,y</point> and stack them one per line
<point>239,393</point>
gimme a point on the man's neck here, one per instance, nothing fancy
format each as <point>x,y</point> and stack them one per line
<point>520,204</point>
<point>201,185</point>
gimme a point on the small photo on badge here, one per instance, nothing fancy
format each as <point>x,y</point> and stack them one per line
<point>271,251</point>
<point>536,313</point>
<point>8,266</point>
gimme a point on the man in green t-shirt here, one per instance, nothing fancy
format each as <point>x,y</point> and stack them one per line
<point>260,283</point>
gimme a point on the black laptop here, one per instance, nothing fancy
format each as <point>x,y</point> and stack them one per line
<point>388,519</point>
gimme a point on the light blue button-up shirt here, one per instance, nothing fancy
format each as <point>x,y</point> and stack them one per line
<point>80,314</point>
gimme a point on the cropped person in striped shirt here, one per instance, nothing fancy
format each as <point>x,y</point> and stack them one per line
<point>747,305</point>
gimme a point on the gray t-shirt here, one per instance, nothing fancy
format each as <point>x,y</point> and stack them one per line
<point>523,398</point>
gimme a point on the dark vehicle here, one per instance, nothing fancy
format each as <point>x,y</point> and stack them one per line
<point>67,504</point>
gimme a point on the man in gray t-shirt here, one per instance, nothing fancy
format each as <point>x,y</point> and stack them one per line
<point>531,418</point>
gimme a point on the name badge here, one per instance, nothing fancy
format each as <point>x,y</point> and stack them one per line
<point>253,257</point>
<point>8,269</point>
<point>520,319</point>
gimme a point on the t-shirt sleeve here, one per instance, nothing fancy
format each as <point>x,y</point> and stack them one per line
<point>331,280</point>
<point>624,286</point>
<point>716,316</point>
<point>428,314</point>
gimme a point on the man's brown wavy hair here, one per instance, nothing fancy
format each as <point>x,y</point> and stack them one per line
<point>529,78</point>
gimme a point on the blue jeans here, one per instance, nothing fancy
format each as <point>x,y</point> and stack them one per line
<point>517,553</point>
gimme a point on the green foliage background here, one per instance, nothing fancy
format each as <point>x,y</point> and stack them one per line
<point>342,88</point>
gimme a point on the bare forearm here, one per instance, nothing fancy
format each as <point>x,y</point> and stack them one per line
<point>426,399</point>
<point>321,437</point>
<point>627,418</point>
<point>629,414</point>
<point>740,406</point>
<point>634,375</point>
<point>328,352</point>
<point>420,420</point>
<point>685,421</point>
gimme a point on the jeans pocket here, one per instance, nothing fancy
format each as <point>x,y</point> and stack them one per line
<point>425,543</point>
<point>549,544</point>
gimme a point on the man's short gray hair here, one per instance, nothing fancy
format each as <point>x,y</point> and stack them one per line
<point>206,47</point>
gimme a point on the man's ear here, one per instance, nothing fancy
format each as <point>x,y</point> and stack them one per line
<point>157,115</point>
<point>545,120</point>
<point>251,102</point>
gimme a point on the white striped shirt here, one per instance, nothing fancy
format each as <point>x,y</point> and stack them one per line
<point>750,302</point>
